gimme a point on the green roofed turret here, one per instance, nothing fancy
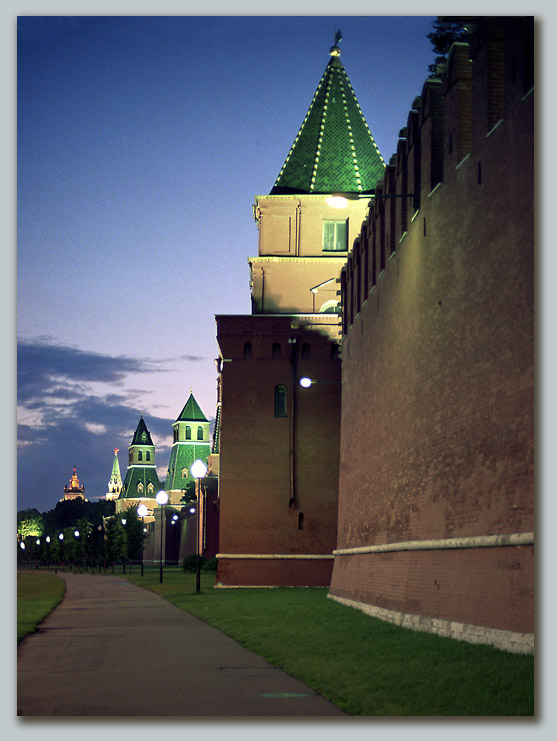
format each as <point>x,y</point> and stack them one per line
<point>334,151</point>
<point>141,479</point>
<point>191,442</point>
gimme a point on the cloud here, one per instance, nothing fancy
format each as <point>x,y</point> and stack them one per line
<point>74,408</point>
<point>62,370</point>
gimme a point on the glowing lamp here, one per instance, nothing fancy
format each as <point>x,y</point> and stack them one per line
<point>162,498</point>
<point>305,382</point>
<point>336,201</point>
<point>142,510</point>
<point>198,469</point>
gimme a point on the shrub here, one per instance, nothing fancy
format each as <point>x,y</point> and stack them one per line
<point>189,564</point>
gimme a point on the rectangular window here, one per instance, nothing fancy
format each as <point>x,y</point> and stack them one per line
<point>335,236</point>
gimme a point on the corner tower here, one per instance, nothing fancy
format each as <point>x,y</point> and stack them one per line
<point>279,443</point>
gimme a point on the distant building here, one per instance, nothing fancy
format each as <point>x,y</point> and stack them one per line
<point>141,484</point>
<point>115,483</point>
<point>190,443</point>
<point>74,490</point>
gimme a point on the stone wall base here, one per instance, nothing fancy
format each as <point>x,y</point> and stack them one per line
<point>506,640</point>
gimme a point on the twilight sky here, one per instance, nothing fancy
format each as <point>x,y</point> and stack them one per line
<point>142,142</point>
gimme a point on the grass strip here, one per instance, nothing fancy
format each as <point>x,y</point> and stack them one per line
<point>38,593</point>
<point>363,665</point>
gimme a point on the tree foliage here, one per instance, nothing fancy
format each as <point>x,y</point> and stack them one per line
<point>447,30</point>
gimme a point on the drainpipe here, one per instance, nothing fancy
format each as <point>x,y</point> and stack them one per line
<point>293,504</point>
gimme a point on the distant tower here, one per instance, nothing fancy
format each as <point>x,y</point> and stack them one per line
<point>141,483</point>
<point>74,490</point>
<point>191,441</point>
<point>115,483</point>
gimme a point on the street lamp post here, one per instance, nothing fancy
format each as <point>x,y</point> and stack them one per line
<point>142,511</point>
<point>162,499</point>
<point>198,471</point>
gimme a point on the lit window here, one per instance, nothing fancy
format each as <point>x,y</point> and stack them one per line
<point>335,236</point>
<point>280,401</point>
<point>184,473</point>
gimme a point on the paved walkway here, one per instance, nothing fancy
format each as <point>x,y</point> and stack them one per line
<point>114,649</point>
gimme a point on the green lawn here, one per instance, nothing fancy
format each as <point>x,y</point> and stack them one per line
<point>363,665</point>
<point>38,593</point>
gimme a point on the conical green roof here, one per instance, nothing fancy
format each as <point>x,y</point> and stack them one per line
<point>115,477</point>
<point>191,412</point>
<point>334,151</point>
<point>142,435</point>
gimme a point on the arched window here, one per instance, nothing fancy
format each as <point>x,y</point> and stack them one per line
<point>188,432</point>
<point>276,350</point>
<point>305,350</point>
<point>200,433</point>
<point>175,434</point>
<point>184,473</point>
<point>139,455</point>
<point>148,455</point>
<point>280,401</point>
<point>247,350</point>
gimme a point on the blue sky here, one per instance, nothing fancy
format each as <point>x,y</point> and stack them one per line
<point>142,142</point>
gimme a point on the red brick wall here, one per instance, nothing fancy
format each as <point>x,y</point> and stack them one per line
<point>257,515</point>
<point>438,376</point>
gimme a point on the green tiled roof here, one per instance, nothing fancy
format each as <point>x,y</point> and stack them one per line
<point>140,474</point>
<point>334,151</point>
<point>192,412</point>
<point>182,456</point>
<point>142,435</point>
<point>216,434</point>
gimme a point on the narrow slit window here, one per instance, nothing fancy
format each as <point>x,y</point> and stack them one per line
<point>280,401</point>
<point>276,350</point>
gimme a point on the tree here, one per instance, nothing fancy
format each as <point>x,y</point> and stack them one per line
<point>133,534</point>
<point>447,30</point>
<point>30,522</point>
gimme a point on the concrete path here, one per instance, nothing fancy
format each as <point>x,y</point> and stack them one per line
<point>114,649</point>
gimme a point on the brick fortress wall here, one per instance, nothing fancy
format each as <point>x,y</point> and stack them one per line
<point>437,440</point>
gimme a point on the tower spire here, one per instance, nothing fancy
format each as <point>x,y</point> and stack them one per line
<point>334,151</point>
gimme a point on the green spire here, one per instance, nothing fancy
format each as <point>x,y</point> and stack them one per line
<point>142,435</point>
<point>115,478</point>
<point>191,412</point>
<point>334,151</point>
